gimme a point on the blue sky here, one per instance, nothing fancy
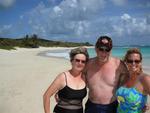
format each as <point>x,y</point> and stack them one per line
<point>126,21</point>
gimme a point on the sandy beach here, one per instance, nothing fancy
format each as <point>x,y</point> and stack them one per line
<point>24,77</point>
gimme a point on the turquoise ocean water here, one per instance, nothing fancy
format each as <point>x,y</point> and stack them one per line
<point>116,52</point>
<point>120,52</point>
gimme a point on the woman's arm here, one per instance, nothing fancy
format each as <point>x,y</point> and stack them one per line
<point>146,84</point>
<point>124,74</point>
<point>56,85</point>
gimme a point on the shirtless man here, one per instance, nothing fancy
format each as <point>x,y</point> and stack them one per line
<point>103,75</point>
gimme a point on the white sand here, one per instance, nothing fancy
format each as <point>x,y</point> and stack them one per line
<point>24,77</point>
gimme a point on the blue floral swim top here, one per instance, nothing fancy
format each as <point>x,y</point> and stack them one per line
<point>130,100</point>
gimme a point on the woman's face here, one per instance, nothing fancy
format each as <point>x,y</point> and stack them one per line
<point>134,63</point>
<point>78,62</point>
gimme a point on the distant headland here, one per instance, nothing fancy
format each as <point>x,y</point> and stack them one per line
<point>34,41</point>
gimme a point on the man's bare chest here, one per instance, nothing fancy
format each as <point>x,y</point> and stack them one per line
<point>107,76</point>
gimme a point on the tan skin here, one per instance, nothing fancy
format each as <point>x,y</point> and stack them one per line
<point>102,74</point>
<point>74,80</point>
<point>140,80</point>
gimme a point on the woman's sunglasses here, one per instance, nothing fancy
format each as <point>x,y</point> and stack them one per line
<point>135,61</point>
<point>82,61</point>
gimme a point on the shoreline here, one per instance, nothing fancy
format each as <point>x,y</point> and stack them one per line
<point>25,76</point>
<point>54,51</point>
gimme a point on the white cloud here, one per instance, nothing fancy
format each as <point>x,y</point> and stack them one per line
<point>71,20</point>
<point>93,5</point>
<point>118,31</point>
<point>135,28</point>
<point>6,3</point>
<point>81,20</point>
<point>125,17</point>
<point>6,29</point>
<point>58,10</point>
<point>119,2</point>
<point>148,19</point>
<point>144,4</point>
<point>148,4</point>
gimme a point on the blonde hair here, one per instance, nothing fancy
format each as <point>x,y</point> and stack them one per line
<point>132,51</point>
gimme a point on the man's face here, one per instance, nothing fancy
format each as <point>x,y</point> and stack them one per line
<point>102,55</point>
<point>103,52</point>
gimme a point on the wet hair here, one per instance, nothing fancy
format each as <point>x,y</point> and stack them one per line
<point>100,43</point>
<point>132,51</point>
<point>79,50</point>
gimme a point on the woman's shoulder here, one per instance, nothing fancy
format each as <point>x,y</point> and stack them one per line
<point>145,80</point>
<point>145,77</point>
<point>61,76</point>
<point>60,79</point>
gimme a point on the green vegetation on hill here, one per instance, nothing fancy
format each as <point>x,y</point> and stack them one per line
<point>34,42</point>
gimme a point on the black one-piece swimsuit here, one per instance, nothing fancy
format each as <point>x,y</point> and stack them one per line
<point>70,100</point>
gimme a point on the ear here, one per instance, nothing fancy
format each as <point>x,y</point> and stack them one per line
<point>96,49</point>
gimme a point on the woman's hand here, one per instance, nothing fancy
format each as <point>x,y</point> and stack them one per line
<point>146,108</point>
<point>56,97</point>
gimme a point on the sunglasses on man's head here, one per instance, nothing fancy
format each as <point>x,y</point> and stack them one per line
<point>135,61</point>
<point>82,61</point>
<point>106,49</point>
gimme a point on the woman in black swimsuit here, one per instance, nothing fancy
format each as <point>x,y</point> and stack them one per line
<point>70,85</point>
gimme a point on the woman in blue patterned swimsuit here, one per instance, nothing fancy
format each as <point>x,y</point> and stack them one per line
<point>132,97</point>
<point>70,85</point>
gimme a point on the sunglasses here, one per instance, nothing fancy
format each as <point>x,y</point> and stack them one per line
<point>78,60</point>
<point>135,61</point>
<point>105,49</point>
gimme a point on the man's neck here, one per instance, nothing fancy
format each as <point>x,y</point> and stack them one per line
<point>100,63</point>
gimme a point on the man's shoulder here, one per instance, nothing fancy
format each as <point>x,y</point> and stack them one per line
<point>121,66</point>
<point>91,60</point>
<point>116,60</point>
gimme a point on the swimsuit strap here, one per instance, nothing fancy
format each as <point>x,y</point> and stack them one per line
<point>65,78</point>
<point>85,77</point>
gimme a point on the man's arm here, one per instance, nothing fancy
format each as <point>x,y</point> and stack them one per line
<point>124,74</point>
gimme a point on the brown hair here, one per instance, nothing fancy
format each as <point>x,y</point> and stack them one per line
<point>131,51</point>
<point>79,50</point>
